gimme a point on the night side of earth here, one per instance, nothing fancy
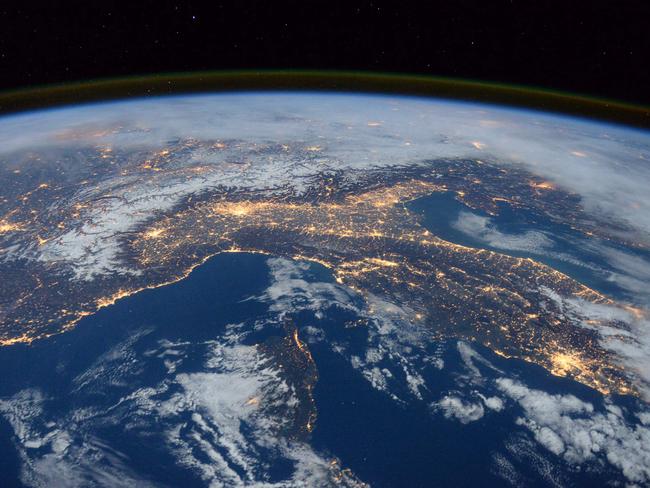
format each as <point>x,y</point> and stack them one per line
<point>283,289</point>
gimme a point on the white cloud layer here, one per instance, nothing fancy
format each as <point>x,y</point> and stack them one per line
<point>605,164</point>
<point>632,273</point>
<point>481,228</point>
<point>290,291</point>
<point>456,408</point>
<point>573,429</point>
<point>222,420</point>
<point>622,331</point>
<point>393,337</point>
<point>52,454</point>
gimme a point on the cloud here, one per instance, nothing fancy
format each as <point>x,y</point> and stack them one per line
<point>238,404</point>
<point>470,406</point>
<point>482,229</point>
<point>290,291</point>
<point>52,454</point>
<point>503,467</point>
<point>458,407</point>
<point>576,431</point>
<point>221,418</point>
<point>493,403</point>
<point>471,358</point>
<point>454,407</point>
<point>391,335</point>
<point>604,164</point>
<point>525,453</point>
<point>632,273</point>
<point>622,330</point>
<point>531,242</point>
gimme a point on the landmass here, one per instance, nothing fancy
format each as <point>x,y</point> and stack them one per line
<point>72,246</point>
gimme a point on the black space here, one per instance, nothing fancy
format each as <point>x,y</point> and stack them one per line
<point>592,48</point>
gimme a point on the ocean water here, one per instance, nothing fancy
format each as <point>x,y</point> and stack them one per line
<point>195,309</point>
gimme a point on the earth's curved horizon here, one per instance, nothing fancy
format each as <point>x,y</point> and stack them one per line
<point>400,265</point>
<point>544,99</point>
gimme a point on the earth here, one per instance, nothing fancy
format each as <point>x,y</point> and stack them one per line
<point>280,289</point>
